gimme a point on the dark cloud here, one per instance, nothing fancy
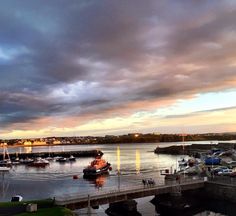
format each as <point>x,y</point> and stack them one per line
<point>88,57</point>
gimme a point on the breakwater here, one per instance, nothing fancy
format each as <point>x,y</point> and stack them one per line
<point>193,149</point>
<point>84,153</point>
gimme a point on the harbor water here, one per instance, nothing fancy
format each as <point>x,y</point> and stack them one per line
<point>130,164</point>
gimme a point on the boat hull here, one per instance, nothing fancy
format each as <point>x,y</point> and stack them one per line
<point>90,172</point>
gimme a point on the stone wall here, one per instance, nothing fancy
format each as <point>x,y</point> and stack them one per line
<point>221,191</point>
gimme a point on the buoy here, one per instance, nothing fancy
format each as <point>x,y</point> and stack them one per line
<point>75,177</point>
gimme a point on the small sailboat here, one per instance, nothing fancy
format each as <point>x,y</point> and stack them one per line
<point>5,163</point>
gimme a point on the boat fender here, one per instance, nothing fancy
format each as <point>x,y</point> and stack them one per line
<point>110,168</point>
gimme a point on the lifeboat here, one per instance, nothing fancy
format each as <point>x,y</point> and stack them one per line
<point>97,167</point>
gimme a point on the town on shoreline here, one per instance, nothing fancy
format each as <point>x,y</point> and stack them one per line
<point>127,138</point>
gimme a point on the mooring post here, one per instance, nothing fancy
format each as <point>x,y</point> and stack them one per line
<point>89,206</point>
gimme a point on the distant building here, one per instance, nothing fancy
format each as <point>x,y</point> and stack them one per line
<point>27,142</point>
<point>39,142</point>
<point>56,142</point>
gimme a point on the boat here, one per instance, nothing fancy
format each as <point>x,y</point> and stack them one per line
<point>212,161</point>
<point>97,167</point>
<point>26,161</point>
<point>72,158</point>
<point>39,162</point>
<point>16,198</point>
<point>4,169</point>
<point>49,158</point>
<point>16,161</point>
<point>183,162</point>
<point>6,161</point>
<point>61,159</point>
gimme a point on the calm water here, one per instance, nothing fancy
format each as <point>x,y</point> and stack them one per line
<point>133,161</point>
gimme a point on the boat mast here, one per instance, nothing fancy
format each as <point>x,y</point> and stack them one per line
<point>5,152</point>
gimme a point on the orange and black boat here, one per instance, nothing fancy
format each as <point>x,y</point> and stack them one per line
<point>97,167</point>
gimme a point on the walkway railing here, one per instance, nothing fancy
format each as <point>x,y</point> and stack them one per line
<point>113,191</point>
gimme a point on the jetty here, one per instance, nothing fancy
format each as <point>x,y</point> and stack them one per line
<point>84,153</point>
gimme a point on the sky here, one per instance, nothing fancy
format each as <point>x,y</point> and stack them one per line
<point>77,68</point>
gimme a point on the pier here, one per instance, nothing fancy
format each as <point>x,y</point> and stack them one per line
<point>84,153</point>
<point>76,201</point>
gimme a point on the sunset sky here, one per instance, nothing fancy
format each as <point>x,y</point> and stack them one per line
<point>113,67</point>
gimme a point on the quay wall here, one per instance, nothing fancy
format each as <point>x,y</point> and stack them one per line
<point>220,190</point>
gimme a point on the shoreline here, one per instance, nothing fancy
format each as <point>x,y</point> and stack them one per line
<point>169,143</point>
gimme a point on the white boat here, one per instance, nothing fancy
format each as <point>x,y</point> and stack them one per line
<point>39,162</point>
<point>26,161</point>
<point>49,158</point>
<point>72,158</point>
<point>183,162</point>
<point>4,169</point>
<point>6,161</point>
<point>16,198</point>
<point>61,159</point>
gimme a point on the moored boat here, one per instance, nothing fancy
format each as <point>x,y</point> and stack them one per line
<point>72,158</point>
<point>212,161</point>
<point>6,160</point>
<point>26,161</point>
<point>97,167</point>
<point>4,169</point>
<point>5,163</point>
<point>61,159</point>
<point>39,162</point>
<point>183,162</point>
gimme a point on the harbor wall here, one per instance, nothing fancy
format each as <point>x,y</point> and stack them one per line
<point>85,153</point>
<point>222,191</point>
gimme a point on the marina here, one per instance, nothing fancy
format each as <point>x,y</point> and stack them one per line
<point>131,164</point>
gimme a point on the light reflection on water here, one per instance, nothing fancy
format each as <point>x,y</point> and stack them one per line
<point>137,161</point>
<point>118,158</point>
